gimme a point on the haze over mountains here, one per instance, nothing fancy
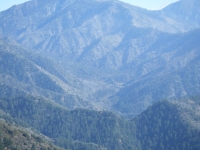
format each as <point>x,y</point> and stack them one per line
<point>64,64</point>
<point>109,46</point>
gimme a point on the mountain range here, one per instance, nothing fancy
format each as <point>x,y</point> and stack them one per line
<point>120,56</point>
<point>109,53</point>
<point>73,69</point>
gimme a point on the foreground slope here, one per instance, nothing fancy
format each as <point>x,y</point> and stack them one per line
<point>72,129</point>
<point>165,125</point>
<point>15,138</point>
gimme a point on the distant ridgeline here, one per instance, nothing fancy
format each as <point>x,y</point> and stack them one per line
<point>165,125</point>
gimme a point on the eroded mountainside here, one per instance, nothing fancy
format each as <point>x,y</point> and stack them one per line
<point>64,64</point>
<point>113,56</point>
<point>24,72</point>
<point>169,69</point>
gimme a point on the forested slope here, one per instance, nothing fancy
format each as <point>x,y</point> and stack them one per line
<point>165,125</point>
<point>72,129</point>
<point>170,125</point>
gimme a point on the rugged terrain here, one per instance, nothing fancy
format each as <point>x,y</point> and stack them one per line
<point>165,125</point>
<point>16,138</point>
<point>108,54</point>
<point>71,69</point>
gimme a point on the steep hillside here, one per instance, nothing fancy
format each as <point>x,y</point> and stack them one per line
<point>171,68</point>
<point>58,29</point>
<point>24,72</point>
<point>186,11</point>
<point>72,129</point>
<point>170,125</point>
<point>60,56</point>
<point>165,125</point>
<point>113,55</point>
<point>15,138</point>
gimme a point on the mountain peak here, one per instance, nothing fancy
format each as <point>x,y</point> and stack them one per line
<point>184,10</point>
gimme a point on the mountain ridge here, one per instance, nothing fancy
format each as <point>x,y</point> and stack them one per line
<point>105,47</point>
<point>24,72</point>
<point>175,76</point>
<point>93,74</point>
<point>168,122</point>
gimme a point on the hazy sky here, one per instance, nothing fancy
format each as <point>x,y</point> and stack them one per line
<point>149,4</point>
